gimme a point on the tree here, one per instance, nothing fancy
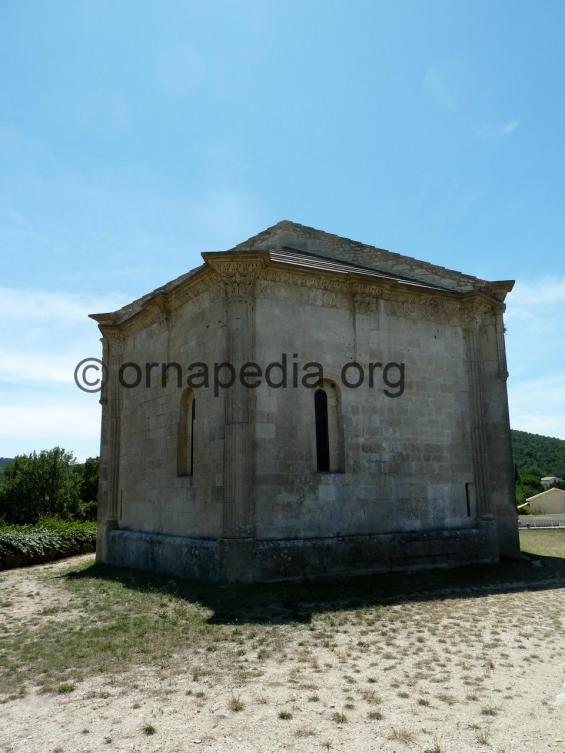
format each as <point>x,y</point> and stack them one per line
<point>88,473</point>
<point>41,485</point>
<point>526,486</point>
<point>538,455</point>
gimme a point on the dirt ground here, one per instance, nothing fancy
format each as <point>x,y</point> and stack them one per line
<point>440,672</point>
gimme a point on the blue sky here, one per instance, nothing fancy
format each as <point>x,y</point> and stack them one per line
<point>134,135</point>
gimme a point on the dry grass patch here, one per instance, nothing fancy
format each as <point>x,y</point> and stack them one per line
<point>401,735</point>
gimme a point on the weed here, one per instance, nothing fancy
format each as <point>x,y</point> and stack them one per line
<point>66,687</point>
<point>375,715</point>
<point>401,735</point>
<point>338,717</point>
<point>483,737</point>
<point>235,704</point>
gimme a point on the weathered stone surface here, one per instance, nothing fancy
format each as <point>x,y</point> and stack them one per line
<point>421,479</point>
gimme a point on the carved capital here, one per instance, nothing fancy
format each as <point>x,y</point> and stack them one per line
<point>365,297</point>
<point>159,306</point>
<point>477,308</point>
<point>238,272</point>
<point>111,333</point>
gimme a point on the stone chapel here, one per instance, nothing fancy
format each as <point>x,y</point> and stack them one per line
<point>365,430</point>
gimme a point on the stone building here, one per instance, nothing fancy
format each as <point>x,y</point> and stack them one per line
<point>398,458</point>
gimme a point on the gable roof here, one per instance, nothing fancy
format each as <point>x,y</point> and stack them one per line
<point>300,238</point>
<point>291,257</point>
<point>288,243</point>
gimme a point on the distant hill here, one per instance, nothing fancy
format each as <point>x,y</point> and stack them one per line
<point>538,455</point>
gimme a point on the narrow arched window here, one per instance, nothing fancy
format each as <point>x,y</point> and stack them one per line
<point>192,426</point>
<point>186,434</point>
<point>322,431</point>
<point>329,429</point>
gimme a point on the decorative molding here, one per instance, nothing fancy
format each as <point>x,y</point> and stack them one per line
<point>194,289</point>
<point>365,297</point>
<point>240,281</point>
<point>111,333</point>
<point>162,308</point>
<point>409,302</point>
<point>237,275</point>
<point>305,279</point>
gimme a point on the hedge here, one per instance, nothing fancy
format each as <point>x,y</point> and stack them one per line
<point>44,541</point>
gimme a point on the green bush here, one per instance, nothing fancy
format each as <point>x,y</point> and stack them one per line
<point>44,541</point>
<point>48,484</point>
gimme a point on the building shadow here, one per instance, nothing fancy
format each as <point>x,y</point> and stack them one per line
<point>296,602</point>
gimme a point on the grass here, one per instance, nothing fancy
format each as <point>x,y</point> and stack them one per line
<point>546,543</point>
<point>66,687</point>
<point>483,737</point>
<point>338,717</point>
<point>117,625</point>
<point>235,704</point>
<point>435,748</point>
<point>401,735</point>
<point>116,619</point>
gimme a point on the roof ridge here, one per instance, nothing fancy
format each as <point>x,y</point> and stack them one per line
<point>359,245</point>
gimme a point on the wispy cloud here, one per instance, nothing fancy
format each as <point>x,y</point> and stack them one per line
<point>498,130</point>
<point>538,405</point>
<point>43,335</point>
<point>60,421</point>
<point>31,304</point>
<point>36,418</point>
<point>28,367</point>
<point>528,298</point>
<point>536,343</point>
<point>441,87</point>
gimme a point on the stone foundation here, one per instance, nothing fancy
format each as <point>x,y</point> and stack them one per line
<point>250,560</point>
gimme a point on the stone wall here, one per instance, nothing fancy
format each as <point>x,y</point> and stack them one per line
<point>425,478</point>
<point>151,495</point>
<point>407,458</point>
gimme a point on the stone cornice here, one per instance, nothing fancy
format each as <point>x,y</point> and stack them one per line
<point>158,308</point>
<point>236,274</point>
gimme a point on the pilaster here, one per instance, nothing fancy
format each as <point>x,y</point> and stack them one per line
<point>110,399</point>
<point>365,314</point>
<point>473,324</point>
<point>238,278</point>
